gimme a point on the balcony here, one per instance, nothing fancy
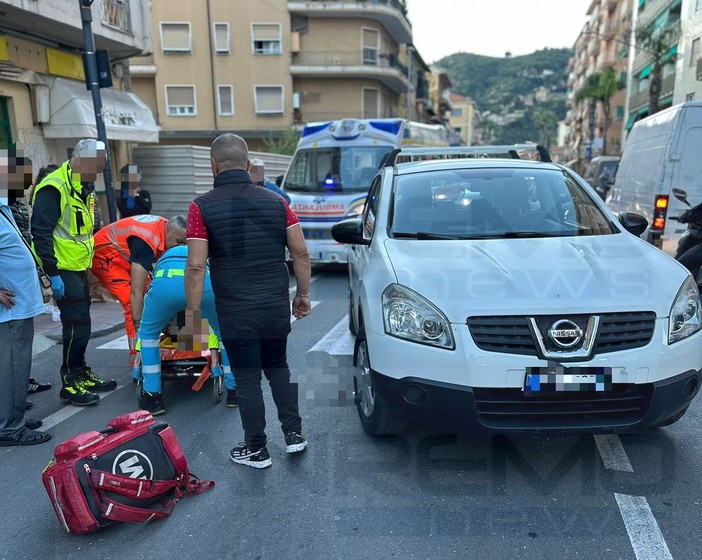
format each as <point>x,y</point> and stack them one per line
<point>363,64</point>
<point>120,26</point>
<point>142,66</point>
<point>389,13</point>
<point>640,100</point>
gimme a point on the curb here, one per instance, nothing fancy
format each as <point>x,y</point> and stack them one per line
<point>98,329</point>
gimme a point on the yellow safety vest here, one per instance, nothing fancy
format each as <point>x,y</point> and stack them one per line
<point>73,235</point>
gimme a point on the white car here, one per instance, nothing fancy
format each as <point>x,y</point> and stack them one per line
<point>493,293</point>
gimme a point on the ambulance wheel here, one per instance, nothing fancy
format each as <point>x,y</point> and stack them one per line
<point>218,388</point>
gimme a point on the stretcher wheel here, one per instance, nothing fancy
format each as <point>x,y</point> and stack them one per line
<point>218,388</point>
<point>139,390</point>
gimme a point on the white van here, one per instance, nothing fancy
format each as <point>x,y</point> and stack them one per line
<point>661,152</point>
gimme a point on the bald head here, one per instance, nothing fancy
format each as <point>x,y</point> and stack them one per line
<point>229,151</point>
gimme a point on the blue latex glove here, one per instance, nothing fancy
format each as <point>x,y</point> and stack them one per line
<point>136,374</point>
<point>57,287</point>
<point>217,371</point>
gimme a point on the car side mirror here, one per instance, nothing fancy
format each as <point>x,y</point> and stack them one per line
<point>633,222</point>
<point>349,231</point>
<point>680,194</point>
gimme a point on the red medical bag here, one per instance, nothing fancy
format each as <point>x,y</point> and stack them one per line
<point>134,470</point>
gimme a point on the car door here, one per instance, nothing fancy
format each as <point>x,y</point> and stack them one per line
<point>360,255</point>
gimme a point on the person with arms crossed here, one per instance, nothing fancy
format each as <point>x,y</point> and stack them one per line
<point>244,230</point>
<point>62,226</point>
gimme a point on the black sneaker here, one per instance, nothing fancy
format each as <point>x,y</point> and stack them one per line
<point>153,402</point>
<point>76,393</point>
<point>95,384</point>
<point>35,387</point>
<point>294,442</point>
<point>244,456</point>
<point>32,424</point>
<point>232,398</point>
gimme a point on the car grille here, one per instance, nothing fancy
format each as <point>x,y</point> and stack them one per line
<point>511,409</point>
<point>510,334</point>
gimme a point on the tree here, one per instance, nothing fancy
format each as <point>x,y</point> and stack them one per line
<point>608,85</point>
<point>657,42</point>
<point>285,145</point>
<point>547,123</point>
<point>590,93</point>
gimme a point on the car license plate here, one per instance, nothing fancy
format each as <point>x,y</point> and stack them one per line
<point>557,379</point>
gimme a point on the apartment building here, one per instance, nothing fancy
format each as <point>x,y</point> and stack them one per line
<point>602,43</point>
<point>45,106</point>
<point>464,119</point>
<point>260,68</point>
<point>688,66</point>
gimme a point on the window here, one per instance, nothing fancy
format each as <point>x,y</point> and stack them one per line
<point>619,112</point>
<point>266,38</point>
<point>698,6</point>
<point>5,128</point>
<point>457,112</point>
<point>695,51</point>
<point>690,96</point>
<point>370,103</point>
<point>370,212</point>
<point>221,37</point>
<point>180,101</point>
<point>269,100</point>
<point>176,37</point>
<point>370,43</point>
<point>225,100</point>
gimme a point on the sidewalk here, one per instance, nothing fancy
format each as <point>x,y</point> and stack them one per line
<point>106,318</point>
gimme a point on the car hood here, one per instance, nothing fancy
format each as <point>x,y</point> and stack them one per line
<point>598,274</point>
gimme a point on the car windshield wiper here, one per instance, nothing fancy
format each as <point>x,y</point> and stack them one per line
<point>510,234</point>
<point>421,235</point>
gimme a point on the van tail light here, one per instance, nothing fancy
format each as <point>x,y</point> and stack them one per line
<point>660,210</point>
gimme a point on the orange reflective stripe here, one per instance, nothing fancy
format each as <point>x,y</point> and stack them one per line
<point>114,236</point>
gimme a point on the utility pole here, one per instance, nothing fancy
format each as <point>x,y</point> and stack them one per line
<point>91,80</point>
<point>410,85</point>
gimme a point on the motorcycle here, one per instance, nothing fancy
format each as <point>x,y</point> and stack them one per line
<point>689,249</point>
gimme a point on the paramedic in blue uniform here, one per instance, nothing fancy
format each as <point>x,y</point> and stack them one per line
<point>164,299</point>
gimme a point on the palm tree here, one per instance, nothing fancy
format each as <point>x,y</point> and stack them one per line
<point>608,84</point>
<point>658,43</point>
<point>590,93</point>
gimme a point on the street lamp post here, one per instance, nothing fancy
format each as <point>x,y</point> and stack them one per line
<point>410,83</point>
<point>93,84</point>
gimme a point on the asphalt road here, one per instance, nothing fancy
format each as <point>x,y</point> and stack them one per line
<point>425,495</point>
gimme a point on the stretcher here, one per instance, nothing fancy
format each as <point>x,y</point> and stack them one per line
<point>186,364</point>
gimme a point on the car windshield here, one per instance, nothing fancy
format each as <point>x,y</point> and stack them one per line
<point>494,203</point>
<point>334,169</point>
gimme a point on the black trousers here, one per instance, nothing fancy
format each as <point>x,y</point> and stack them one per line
<point>75,319</point>
<point>257,341</point>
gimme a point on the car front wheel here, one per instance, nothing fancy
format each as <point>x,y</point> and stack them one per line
<point>375,418</point>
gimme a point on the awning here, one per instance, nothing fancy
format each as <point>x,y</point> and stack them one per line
<point>670,54</point>
<point>126,116</point>
<point>635,116</point>
<point>646,71</point>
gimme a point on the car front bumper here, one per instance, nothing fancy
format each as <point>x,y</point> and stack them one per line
<point>627,408</point>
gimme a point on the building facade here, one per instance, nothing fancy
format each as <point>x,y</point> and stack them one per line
<point>260,69</point>
<point>45,106</point>
<point>464,119</point>
<point>688,66</point>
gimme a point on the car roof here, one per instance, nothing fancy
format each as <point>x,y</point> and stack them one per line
<point>470,163</point>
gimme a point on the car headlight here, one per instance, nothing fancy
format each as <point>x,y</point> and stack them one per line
<point>409,316</point>
<point>685,315</point>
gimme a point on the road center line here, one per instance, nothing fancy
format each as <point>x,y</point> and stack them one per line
<point>613,454</point>
<point>643,530</point>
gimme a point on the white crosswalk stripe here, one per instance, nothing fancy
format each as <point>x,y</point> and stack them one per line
<point>338,341</point>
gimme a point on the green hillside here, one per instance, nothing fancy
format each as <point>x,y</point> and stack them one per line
<point>507,91</point>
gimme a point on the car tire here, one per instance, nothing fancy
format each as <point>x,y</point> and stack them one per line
<point>352,326</point>
<point>672,420</point>
<point>375,418</point>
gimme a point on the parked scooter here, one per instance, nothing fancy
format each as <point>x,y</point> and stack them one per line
<point>689,250</point>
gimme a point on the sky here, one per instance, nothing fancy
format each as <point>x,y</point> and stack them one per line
<point>493,27</point>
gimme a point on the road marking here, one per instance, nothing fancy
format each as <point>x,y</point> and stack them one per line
<point>66,412</point>
<point>643,530</point>
<point>41,343</point>
<point>121,342</point>
<point>338,341</point>
<point>613,454</point>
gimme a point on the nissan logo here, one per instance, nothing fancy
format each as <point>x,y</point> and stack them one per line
<point>565,333</point>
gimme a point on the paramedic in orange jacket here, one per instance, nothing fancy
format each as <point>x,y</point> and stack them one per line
<point>125,251</point>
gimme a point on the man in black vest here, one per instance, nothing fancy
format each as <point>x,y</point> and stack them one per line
<point>244,231</point>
